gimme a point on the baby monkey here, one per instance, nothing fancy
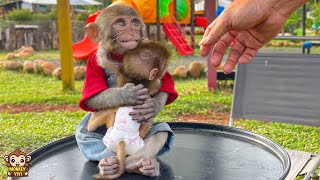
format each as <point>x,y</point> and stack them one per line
<point>144,65</point>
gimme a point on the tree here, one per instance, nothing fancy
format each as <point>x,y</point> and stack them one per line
<point>316,19</point>
<point>105,3</point>
<point>316,15</point>
<point>293,23</point>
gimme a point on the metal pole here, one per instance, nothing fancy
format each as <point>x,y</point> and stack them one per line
<point>158,21</point>
<point>65,43</point>
<point>175,9</point>
<point>192,23</point>
<point>308,38</point>
<point>148,31</point>
<point>304,24</point>
<point>212,71</point>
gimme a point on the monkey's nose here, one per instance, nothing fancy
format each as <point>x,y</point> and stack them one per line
<point>131,32</point>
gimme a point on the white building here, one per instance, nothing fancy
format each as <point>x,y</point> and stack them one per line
<point>42,5</point>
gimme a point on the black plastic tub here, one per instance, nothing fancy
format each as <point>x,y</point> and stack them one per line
<point>200,151</point>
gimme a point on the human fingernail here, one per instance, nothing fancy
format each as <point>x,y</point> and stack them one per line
<point>203,41</point>
<point>227,69</point>
<point>204,51</point>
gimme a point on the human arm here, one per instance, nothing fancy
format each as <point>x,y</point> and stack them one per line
<point>252,23</point>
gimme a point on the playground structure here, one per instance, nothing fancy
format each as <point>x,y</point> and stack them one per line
<point>198,16</point>
<point>223,156</point>
<point>174,15</point>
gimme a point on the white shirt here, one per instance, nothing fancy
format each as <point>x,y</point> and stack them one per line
<point>125,129</point>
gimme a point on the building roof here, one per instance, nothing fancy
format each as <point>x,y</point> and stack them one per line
<point>72,2</point>
<point>5,2</point>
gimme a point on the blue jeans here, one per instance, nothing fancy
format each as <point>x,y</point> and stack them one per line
<point>92,147</point>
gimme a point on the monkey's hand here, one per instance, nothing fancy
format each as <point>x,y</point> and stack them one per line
<point>152,106</point>
<point>131,95</point>
<point>128,95</point>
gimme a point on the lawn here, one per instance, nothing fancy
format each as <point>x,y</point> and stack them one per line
<point>23,88</point>
<point>47,55</point>
<point>31,130</point>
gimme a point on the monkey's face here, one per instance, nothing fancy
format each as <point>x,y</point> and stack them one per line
<point>117,28</point>
<point>17,160</point>
<point>126,32</point>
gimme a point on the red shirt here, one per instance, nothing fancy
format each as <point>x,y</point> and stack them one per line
<point>95,82</point>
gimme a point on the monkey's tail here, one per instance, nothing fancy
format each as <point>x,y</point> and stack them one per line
<point>121,156</point>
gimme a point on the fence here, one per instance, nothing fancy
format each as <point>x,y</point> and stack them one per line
<point>41,35</point>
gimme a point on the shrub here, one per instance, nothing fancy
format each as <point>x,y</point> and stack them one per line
<point>298,32</point>
<point>83,16</point>
<point>293,22</point>
<point>3,24</point>
<point>53,14</point>
<point>316,15</point>
<point>40,17</point>
<point>20,15</point>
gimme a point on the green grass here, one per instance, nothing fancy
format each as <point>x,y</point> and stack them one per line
<point>290,136</point>
<point>195,99</point>
<point>54,54</point>
<point>45,55</point>
<point>314,49</point>
<point>24,88</point>
<point>29,131</point>
<point>32,130</point>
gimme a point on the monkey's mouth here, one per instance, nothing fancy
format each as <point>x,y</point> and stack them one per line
<point>128,44</point>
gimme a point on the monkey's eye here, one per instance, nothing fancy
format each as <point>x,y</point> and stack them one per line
<point>121,22</point>
<point>135,22</point>
<point>22,160</point>
<point>12,160</point>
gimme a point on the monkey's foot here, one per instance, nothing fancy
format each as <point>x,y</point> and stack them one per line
<point>145,166</point>
<point>108,166</point>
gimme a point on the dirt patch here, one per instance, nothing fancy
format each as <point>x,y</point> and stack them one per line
<point>14,109</point>
<point>212,118</point>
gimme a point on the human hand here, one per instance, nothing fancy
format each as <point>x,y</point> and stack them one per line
<point>149,109</point>
<point>252,23</point>
<point>132,95</point>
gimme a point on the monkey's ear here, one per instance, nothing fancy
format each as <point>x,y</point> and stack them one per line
<point>92,30</point>
<point>6,158</point>
<point>28,159</point>
<point>153,73</point>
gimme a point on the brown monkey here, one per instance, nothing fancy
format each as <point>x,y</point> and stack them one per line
<point>144,65</point>
<point>17,163</point>
<point>119,29</point>
<point>115,40</point>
